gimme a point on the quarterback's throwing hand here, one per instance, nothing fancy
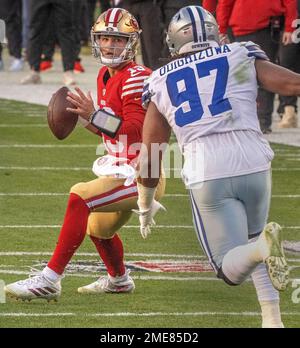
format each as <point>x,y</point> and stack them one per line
<point>146,217</point>
<point>83,104</point>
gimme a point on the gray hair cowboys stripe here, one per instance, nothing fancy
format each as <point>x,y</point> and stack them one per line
<point>198,25</point>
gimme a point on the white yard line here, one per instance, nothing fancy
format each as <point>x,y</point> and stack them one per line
<point>46,168</point>
<point>43,253</point>
<point>85,275</point>
<point>34,125</point>
<point>47,146</point>
<point>88,168</point>
<point>16,314</point>
<point>148,255</point>
<point>289,156</point>
<point>144,314</point>
<point>37,194</point>
<point>139,277</point>
<point>167,195</point>
<point>127,226</point>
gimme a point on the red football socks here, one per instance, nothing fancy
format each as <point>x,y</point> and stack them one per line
<point>72,233</point>
<point>112,253</point>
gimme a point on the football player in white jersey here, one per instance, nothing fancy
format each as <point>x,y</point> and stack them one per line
<point>207,95</point>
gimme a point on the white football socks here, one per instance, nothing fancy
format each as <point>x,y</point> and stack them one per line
<point>247,259</point>
<point>263,285</point>
<point>51,275</point>
<point>118,279</point>
<point>268,297</point>
<point>270,312</point>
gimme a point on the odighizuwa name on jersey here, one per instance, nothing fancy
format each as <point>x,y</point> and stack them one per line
<point>209,52</point>
<point>207,94</point>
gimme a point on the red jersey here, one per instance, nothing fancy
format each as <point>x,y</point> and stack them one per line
<point>247,16</point>
<point>210,5</point>
<point>121,94</point>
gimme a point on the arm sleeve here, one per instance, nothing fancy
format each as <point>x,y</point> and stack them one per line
<point>224,10</point>
<point>291,13</point>
<point>133,117</point>
<point>254,51</point>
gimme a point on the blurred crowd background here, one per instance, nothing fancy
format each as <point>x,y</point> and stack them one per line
<point>35,29</point>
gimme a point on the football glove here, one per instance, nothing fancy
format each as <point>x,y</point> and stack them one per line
<point>146,217</point>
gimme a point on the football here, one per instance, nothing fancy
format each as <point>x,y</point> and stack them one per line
<point>60,121</point>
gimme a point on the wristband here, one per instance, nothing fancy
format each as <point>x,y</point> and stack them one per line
<point>106,122</point>
<point>146,196</point>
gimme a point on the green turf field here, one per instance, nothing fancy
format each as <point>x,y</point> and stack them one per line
<point>36,172</point>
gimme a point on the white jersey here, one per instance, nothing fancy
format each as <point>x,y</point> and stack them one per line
<point>209,99</point>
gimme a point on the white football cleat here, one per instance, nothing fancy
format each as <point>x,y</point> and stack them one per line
<point>34,287</point>
<point>273,255</point>
<point>108,284</point>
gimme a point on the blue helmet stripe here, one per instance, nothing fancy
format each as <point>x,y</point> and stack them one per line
<point>193,24</point>
<point>202,22</point>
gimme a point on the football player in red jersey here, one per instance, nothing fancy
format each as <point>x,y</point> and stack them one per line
<point>102,206</point>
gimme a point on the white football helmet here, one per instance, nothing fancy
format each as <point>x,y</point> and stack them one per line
<point>116,22</point>
<point>192,29</point>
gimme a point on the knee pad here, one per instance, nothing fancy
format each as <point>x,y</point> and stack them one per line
<point>105,225</point>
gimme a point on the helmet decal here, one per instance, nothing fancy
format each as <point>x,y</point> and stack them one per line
<point>112,17</point>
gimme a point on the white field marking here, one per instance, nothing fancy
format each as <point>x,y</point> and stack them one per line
<point>184,314</point>
<point>36,115</point>
<point>47,146</point>
<point>143,277</point>
<point>180,256</point>
<point>34,125</point>
<point>44,125</point>
<point>43,253</point>
<point>278,169</point>
<point>167,195</point>
<point>284,169</point>
<point>88,168</point>
<point>37,314</point>
<point>29,114</point>
<point>127,226</point>
<point>83,275</point>
<point>286,150</point>
<point>46,168</point>
<point>145,314</point>
<point>25,194</point>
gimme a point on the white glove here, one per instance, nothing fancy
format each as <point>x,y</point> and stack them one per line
<point>146,217</point>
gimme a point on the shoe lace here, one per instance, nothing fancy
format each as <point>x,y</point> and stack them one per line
<point>103,281</point>
<point>34,277</point>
